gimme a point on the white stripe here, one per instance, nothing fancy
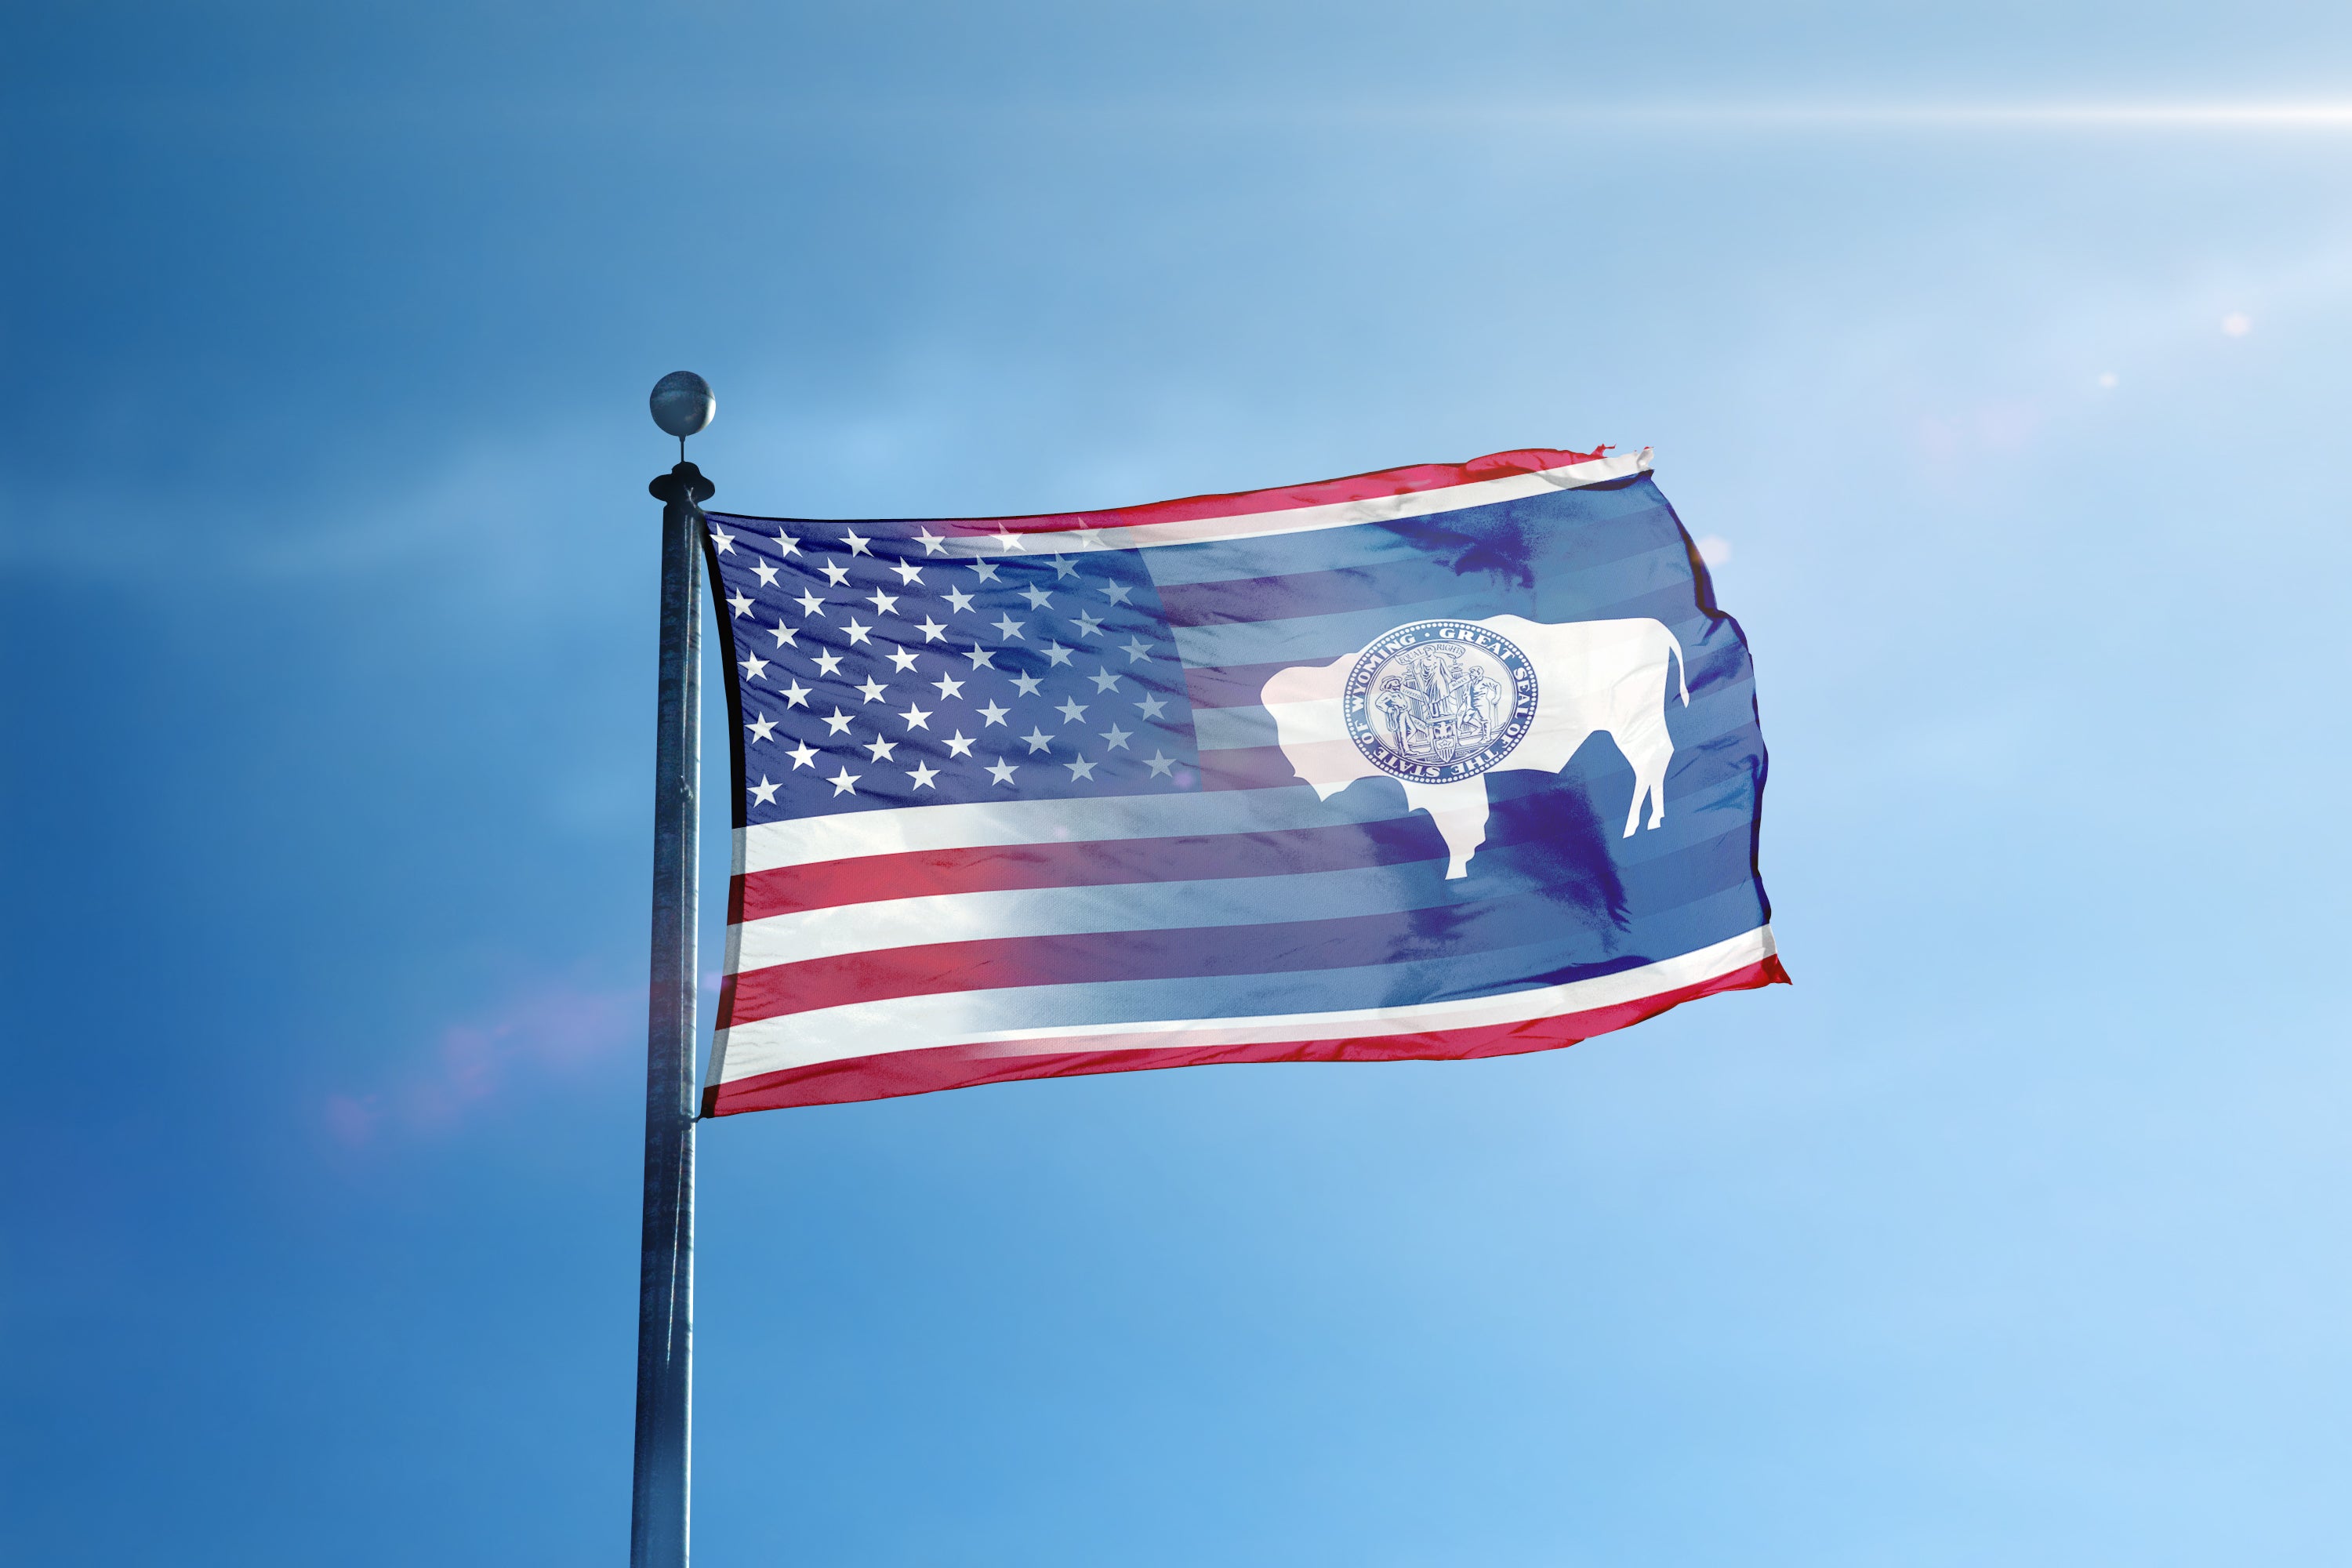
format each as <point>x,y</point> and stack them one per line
<point>1305,518</point>
<point>768,846</point>
<point>914,1023</point>
<point>1227,728</point>
<point>1273,897</point>
<point>1309,896</point>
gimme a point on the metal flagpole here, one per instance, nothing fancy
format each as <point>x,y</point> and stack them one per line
<point>682,404</point>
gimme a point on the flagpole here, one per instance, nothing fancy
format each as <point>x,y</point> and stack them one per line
<point>682,404</point>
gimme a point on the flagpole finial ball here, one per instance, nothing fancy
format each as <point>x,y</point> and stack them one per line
<point>682,404</point>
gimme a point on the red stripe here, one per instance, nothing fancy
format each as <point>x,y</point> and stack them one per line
<point>1247,767</point>
<point>1231,685</point>
<point>1004,963</point>
<point>960,1066</point>
<point>1080,958</point>
<point>792,889</point>
<point>1407,481</point>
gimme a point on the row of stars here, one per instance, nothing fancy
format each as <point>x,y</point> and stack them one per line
<point>933,545</point>
<point>959,744</point>
<point>886,603</point>
<point>948,686</point>
<point>911,576</point>
<point>846,783</point>
<point>1137,650</point>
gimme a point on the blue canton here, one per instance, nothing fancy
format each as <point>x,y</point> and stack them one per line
<point>877,670</point>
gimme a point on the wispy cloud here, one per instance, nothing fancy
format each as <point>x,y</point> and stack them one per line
<point>476,513</point>
<point>538,1034</point>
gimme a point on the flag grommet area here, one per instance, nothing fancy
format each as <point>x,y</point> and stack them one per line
<point>1446,762</point>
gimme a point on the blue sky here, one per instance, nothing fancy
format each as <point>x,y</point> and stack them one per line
<point>2014,1231</point>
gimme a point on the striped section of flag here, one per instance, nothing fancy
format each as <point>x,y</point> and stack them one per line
<point>1435,763</point>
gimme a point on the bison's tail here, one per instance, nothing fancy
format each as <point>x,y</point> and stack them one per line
<point>1682,667</point>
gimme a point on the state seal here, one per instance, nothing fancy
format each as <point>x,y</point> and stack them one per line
<point>1439,700</point>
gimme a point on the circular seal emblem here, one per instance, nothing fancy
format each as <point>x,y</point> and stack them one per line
<point>1440,701</point>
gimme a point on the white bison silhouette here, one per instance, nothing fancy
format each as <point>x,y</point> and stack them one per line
<point>1590,676</point>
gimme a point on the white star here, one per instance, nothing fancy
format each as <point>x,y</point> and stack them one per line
<point>763,793</point>
<point>1038,740</point>
<point>835,572</point>
<point>723,541</point>
<point>796,694</point>
<point>873,689</point>
<point>762,728</point>
<point>986,569</point>
<point>948,686</point>
<point>958,746</point>
<point>923,773</point>
<point>880,749</point>
<point>993,714</point>
<point>785,636</point>
<point>1001,771</point>
<point>1119,592</point>
<point>1070,711</point>
<point>1057,653</point>
<point>1036,596</point>
<point>764,573</point>
<point>884,604</point>
<point>838,724</point>
<point>903,657</point>
<point>910,574</point>
<point>1081,769</point>
<point>843,781</point>
<point>802,755</point>
<point>1025,685</point>
<point>1009,627</point>
<point>1062,567</point>
<point>1103,681</point>
<point>786,545</point>
<point>930,542</point>
<point>739,604</point>
<point>1118,738</point>
<point>1006,539</point>
<point>959,601</point>
<point>1085,539</point>
<point>1089,626</point>
<point>1151,706</point>
<point>981,656</point>
<point>754,666</point>
<point>828,664</point>
<point>810,604</point>
<point>856,543</point>
<point>1134,648</point>
<point>1160,763</point>
<point>932,631</point>
<point>916,718</point>
<point>855,633</point>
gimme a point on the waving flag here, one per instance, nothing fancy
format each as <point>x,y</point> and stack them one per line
<point>1439,762</point>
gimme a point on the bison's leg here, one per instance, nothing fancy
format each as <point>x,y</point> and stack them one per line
<point>1649,754</point>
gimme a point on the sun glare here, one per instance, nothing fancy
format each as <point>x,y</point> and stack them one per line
<point>2283,116</point>
<point>2307,116</point>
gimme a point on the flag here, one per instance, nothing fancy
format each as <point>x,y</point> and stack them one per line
<point>1439,762</point>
